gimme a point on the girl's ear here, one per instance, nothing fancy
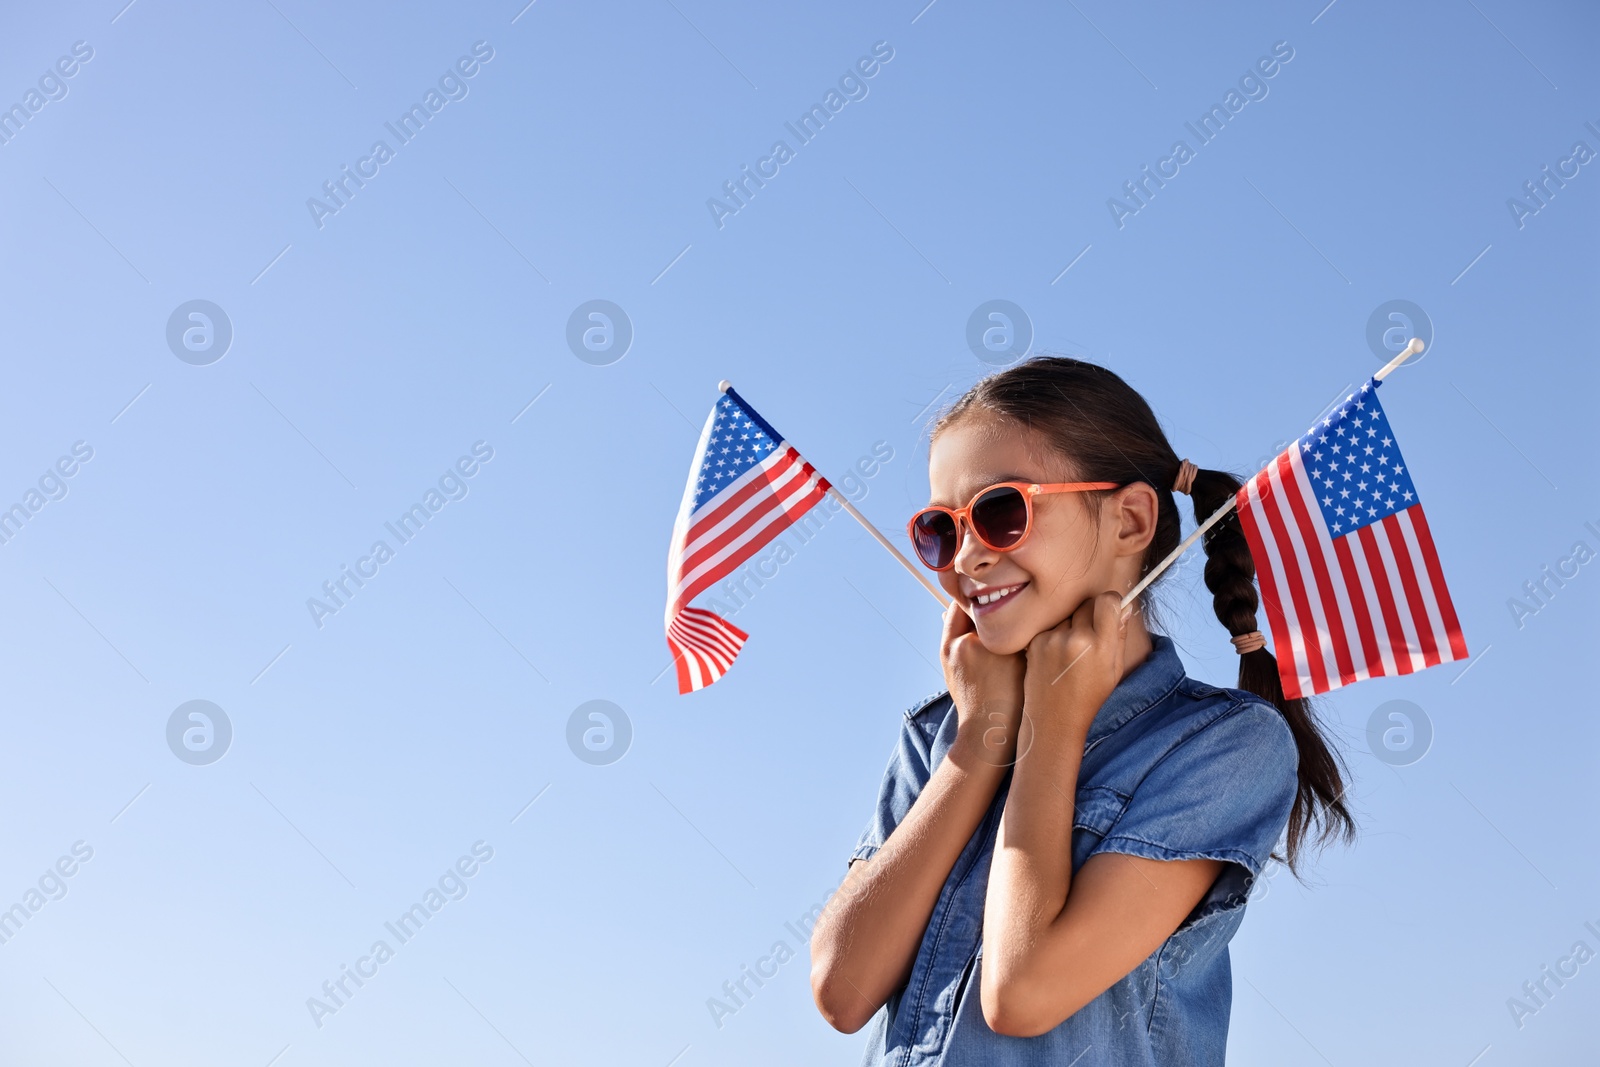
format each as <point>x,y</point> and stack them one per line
<point>1134,511</point>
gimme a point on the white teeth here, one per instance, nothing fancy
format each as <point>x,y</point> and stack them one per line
<point>990,598</point>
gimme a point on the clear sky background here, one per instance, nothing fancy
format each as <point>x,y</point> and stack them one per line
<point>370,353</point>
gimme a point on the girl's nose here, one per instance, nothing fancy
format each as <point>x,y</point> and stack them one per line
<point>973,555</point>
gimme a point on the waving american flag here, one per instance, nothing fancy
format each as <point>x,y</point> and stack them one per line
<point>1349,575</point>
<point>746,486</point>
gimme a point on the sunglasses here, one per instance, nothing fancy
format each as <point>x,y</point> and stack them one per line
<point>1001,518</point>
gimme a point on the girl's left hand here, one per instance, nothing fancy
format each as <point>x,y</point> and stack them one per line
<point>1073,667</point>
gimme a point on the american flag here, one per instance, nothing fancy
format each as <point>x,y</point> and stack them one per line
<point>1349,575</point>
<point>746,486</point>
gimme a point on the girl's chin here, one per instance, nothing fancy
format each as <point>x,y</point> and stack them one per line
<point>1004,640</point>
<point>1004,636</point>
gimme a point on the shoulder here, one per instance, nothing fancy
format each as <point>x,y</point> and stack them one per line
<point>916,752</point>
<point>1215,713</point>
<point>927,719</point>
<point>1261,719</point>
<point>1214,732</point>
<point>931,708</point>
<point>1213,775</point>
<point>917,742</point>
<point>1243,740</point>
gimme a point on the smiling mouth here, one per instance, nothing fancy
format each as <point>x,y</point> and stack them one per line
<point>992,599</point>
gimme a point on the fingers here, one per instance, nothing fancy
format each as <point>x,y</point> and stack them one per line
<point>1100,618</point>
<point>956,623</point>
<point>1109,619</point>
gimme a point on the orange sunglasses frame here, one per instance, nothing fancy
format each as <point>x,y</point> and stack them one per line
<point>961,516</point>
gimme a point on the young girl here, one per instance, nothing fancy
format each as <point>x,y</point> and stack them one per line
<point>1064,841</point>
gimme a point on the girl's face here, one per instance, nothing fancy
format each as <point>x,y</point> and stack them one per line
<point>1069,555</point>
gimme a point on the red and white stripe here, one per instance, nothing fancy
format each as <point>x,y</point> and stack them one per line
<point>709,544</point>
<point>1348,607</point>
<point>703,645</point>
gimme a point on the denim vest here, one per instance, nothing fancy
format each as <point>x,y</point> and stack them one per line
<point>1172,770</point>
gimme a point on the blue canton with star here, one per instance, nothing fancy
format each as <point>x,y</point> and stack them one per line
<point>1354,464</point>
<point>738,442</point>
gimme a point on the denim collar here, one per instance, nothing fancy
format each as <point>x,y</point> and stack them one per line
<point>1142,688</point>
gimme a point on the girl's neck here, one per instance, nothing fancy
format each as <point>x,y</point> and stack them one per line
<point>1136,644</point>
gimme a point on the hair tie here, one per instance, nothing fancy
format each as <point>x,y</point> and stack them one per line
<point>1250,642</point>
<point>1185,479</point>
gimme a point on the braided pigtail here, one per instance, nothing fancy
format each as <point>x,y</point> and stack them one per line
<point>1319,808</point>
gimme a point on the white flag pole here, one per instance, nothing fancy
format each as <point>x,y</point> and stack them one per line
<point>1172,556</point>
<point>1406,353</point>
<point>916,572</point>
<point>920,576</point>
<point>1410,350</point>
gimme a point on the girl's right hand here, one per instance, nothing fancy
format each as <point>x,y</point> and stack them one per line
<point>987,690</point>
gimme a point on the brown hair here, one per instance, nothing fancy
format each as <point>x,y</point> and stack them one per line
<point>1107,432</point>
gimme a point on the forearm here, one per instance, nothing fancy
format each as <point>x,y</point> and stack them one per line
<point>1055,939</point>
<point>1031,876</point>
<point>866,940</point>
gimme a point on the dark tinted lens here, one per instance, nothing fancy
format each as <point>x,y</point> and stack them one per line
<point>1000,516</point>
<point>933,534</point>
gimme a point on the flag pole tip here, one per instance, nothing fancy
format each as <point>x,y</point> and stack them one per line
<point>724,385</point>
<point>1415,346</point>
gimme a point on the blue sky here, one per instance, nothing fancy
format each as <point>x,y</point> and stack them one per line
<point>376,347</point>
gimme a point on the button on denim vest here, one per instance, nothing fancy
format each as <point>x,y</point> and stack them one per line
<point>1172,770</point>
